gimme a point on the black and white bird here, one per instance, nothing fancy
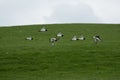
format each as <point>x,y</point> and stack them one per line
<point>81,37</point>
<point>60,34</point>
<point>53,40</point>
<point>74,38</point>
<point>29,38</point>
<point>43,29</point>
<point>96,38</point>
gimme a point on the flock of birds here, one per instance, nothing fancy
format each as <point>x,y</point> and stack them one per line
<point>53,40</point>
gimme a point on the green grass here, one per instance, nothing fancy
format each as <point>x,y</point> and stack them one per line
<point>67,60</point>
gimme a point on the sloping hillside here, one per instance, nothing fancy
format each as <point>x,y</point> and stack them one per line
<point>36,59</point>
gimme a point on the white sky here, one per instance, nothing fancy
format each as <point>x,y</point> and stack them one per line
<point>24,12</point>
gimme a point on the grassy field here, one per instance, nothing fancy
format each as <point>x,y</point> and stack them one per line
<point>21,59</point>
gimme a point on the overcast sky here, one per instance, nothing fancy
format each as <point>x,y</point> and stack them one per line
<point>24,12</point>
